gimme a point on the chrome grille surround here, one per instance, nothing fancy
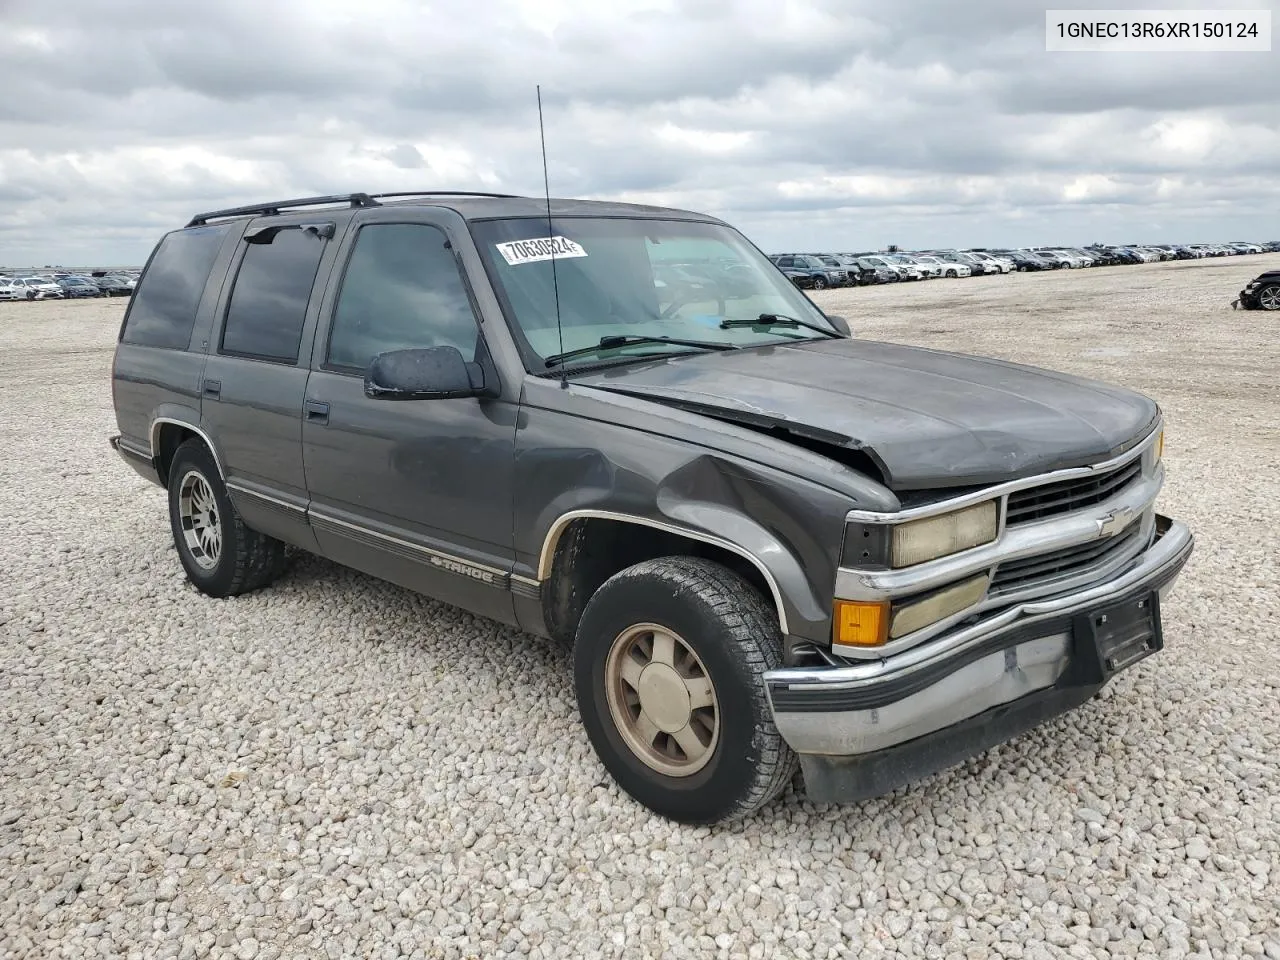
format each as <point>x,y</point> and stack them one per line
<point>1108,520</point>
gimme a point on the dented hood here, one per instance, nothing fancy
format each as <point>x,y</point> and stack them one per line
<point>926,418</point>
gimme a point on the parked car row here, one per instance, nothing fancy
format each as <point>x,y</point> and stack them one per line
<point>817,271</point>
<point>66,286</point>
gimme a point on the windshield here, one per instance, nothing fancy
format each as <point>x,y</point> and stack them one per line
<point>636,278</point>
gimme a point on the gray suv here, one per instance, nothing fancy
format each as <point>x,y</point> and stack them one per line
<point>769,543</point>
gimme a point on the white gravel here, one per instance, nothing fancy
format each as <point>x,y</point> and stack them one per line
<point>334,767</point>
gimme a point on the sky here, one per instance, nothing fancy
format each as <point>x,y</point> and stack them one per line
<point>808,124</point>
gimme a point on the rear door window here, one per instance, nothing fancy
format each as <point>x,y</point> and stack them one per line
<point>163,309</point>
<point>269,300</point>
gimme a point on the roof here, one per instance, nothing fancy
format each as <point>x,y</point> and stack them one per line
<point>471,206</point>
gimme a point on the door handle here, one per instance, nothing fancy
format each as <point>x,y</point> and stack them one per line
<point>317,412</point>
<point>212,389</point>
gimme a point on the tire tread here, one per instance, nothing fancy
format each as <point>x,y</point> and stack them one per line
<point>752,625</point>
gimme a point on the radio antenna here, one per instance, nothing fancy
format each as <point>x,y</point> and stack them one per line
<point>551,238</point>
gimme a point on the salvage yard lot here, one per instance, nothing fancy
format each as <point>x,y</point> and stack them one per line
<point>335,761</point>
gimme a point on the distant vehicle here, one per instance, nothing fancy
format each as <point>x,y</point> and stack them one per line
<point>928,269</point>
<point>903,270</point>
<point>876,271</point>
<point>950,268</point>
<point>822,275</point>
<point>833,263</point>
<point>859,275</point>
<point>10,290</point>
<point>78,287</point>
<point>1059,260</point>
<point>115,286</point>
<point>38,288</point>
<point>959,259</point>
<point>1262,293</point>
<point>802,280</point>
<point>993,263</point>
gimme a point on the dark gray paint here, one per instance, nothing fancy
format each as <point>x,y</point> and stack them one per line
<point>458,498</point>
<point>926,417</point>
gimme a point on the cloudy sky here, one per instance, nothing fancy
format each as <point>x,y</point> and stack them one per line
<point>812,124</point>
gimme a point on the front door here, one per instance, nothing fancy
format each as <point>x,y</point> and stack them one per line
<point>415,491</point>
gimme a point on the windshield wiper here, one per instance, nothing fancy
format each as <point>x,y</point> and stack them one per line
<point>777,320</point>
<point>613,342</point>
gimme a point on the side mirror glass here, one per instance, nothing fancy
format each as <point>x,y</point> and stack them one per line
<point>841,324</point>
<point>428,373</point>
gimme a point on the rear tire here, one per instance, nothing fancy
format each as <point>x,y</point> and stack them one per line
<point>669,664</point>
<point>222,557</point>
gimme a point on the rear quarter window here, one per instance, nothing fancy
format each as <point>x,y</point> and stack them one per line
<point>163,309</point>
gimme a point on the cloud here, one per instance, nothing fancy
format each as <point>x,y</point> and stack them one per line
<point>809,123</point>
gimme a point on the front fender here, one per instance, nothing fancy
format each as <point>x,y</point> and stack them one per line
<point>789,528</point>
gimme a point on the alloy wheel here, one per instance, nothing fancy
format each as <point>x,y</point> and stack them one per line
<point>662,700</point>
<point>201,526</point>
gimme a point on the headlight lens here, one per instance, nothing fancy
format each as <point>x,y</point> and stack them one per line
<point>922,540</point>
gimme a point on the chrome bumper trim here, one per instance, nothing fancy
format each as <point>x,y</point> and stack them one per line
<point>836,732</point>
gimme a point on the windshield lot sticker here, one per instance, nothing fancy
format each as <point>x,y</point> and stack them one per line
<point>544,248</point>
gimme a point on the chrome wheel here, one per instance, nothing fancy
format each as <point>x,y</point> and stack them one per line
<point>201,526</point>
<point>1269,297</point>
<point>662,700</point>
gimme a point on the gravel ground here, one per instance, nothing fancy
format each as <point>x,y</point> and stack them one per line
<point>334,767</point>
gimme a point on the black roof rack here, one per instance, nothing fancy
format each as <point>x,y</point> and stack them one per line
<point>354,199</point>
<point>445,193</point>
<point>268,209</point>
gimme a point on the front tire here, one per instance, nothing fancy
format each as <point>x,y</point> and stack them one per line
<point>1268,297</point>
<point>669,664</point>
<point>222,557</point>
<point>819,283</point>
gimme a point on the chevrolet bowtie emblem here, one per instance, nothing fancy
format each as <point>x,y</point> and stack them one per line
<point>1115,521</point>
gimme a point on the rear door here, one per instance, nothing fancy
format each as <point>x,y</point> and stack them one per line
<point>253,382</point>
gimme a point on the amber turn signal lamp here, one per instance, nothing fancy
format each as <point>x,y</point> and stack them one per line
<point>861,624</point>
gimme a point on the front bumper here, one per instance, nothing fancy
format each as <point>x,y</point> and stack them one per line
<point>865,729</point>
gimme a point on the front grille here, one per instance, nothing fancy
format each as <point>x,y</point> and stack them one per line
<point>1016,575</point>
<point>1037,503</point>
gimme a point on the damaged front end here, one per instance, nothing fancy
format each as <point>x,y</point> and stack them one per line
<point>996,637</point>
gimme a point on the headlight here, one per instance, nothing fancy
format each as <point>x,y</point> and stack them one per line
<point>1159,446</point>
<point>922,540</point>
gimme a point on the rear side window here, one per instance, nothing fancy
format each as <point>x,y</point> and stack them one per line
<point>269,300</point>
<point>163,309</point>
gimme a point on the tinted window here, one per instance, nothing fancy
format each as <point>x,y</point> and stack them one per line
<point>402,289</point>
<point>163,309</point>
<point>269,300</point>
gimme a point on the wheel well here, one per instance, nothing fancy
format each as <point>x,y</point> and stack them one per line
<point>171,437</point>
<point>591,550</point>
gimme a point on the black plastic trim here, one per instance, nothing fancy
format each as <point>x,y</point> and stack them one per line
<point>849,779</point>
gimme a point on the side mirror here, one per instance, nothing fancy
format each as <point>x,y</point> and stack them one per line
<point>429,373</point>
<point>841,324</point>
